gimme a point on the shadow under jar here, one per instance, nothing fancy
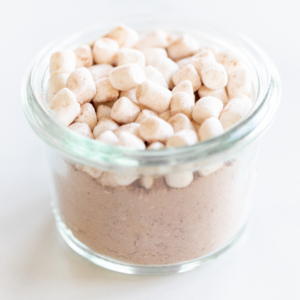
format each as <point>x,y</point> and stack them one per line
<point>116,206</point>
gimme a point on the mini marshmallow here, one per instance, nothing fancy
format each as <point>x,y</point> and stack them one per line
<point>133,128</point>
<point>103,125</point>
<point>154,75</point>
<point>187,73</point>
<point>105,51</point>
<point>108,179</point>
<point>214,76</point>
<point>210,128</point>
<point>125,111</point>
<point>82,128</point>
<point>145,113</point>
<point>184,62</point>
<point>219,93</point>
<point>180,122</point>
<point>154,129</point>
<point>235,110</point>
<point>184,86</point>
<point>182,103</point>
<point>207,107</point>
<point>210,169</point>
<point>131,56</point>
<point>154,96</point>
<point>201,59</point>
<point>127,77</point>
<point>239,83</point>
<point>62,62</point>
<point>147,182</point>
<point>56,83</point>
<point>84,56</point>
<point>108,137</point>
<point>82,84</point>
<point>103,111</point>
<point>156,146</point>
<point>155,39</point>
<point>93,172</point>
<point>124,35</point>
<point>184,137</point>
<point>100,71</point>
<point>185,46</point>
<point>87,115</point>
<point>125,179</point>
<point>130,94</point>
<point>166,115</point>
<point>179,180</point>
<point>129,140</point>
<point>65,106</point>
<point>154,54</point>
<point>105,92</point>
<point>229,61</point>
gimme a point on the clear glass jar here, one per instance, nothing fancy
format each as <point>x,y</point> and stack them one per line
<point>118,207</point>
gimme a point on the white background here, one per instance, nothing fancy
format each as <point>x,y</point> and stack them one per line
<point>35,263</point>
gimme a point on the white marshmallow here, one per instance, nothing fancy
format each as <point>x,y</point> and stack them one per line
<point>155,39</point>
<point>84,56</point>
<point>154,129</point>
<point>105,51</point>
<point>219,93</point>
<point>124,35</point>
<point>207,107</point>
<point>108,137</point>
<point>210,169</point>
<point>125,111</point>
<point>82,128</point>
<point>145,113</point>
<point>93,172</point>
<point>185,46</point>
<point>103,125</point>
<point>127,77</point>
<point>131,56</point>
<point>214,76</point>
<point>87,115</point>
<point>154,96</point>
<point>82,84</point>
<point>184,86</point>
<point>184,137</point>
<point>154,54</point>
<point>182,103</point>
<point>103,111</point>
<point>108,179</point>
<point>179,180</point>
<point>65,106</point>
<point>56,83</point>
<point>133,128</point>
<point>100,71</point>
<point>105,92</point>
<point>154,75</point>
<point>239,83</point>
<point>62,62</point>
<point>201,59</point>
<point>125,179</point>
<point>129,140</point>
<point>147,182</point>
<point>184,62</point>
<point>156,146</point>
<point>210,128</point>
<point>187,73</point>
<point>130,94</point>
<point>229,61</point>
<point>166,115</point>
<point>180,122</point>
<point>235,110</point>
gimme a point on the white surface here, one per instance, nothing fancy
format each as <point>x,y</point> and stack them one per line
<point>35,263</point>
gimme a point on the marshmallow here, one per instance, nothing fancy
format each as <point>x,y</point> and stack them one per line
<point>155,39</point>
<point>129,140</point>
<point>108,179</point>
<point>100,71</point>
<point>147,182</point>
<point>156,146</point>
<point>154,54</point>
<point>207,107</point>
<point>105,51</point>
<point>201,59</point>
<point>229,61</point>
<point>130,94</point>
<point>235,110</point>
<point>125,179</point>
<point>62,62</point>
<point>210,128</point>
<point>185,46</point>
<point>131,56</point>
<point>133,128</point>
<point>179,180</point>
<point>87,115</point>
<point>105,92</point>
<point>103,111</point>
<point>184,137</point>
<point>145,113</point>
<point>214,76</point>
<point>82,84</point>
<point>219,93</point>
<point>84,56</point>
<point>154,75</point>
<point>82,128</point>
<point>125,111</point>
<point>182,103</point>
<point>184,62</point>
<point>210,169</point>
<point>127,77</point>
<point>108,137</point>
<point>196,126</point>
<point>103,125</point>
<point>154,96</point>
<point>154,129</point>
<point>184,86</point>
<point>65,106</point>
<point>56,83</point>
<point>124,35</point>
<point>187,73</point>
<point>180,122</point>
<point>166,115</point>
<point>93,172</point>
<point>239,82</point>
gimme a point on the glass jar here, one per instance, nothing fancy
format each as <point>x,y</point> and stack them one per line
<point>155,211</point>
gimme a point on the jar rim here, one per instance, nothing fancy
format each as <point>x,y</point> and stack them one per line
<point>97,154</point>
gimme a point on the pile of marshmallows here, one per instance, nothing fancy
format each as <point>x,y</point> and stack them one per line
<point>148,93</point>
